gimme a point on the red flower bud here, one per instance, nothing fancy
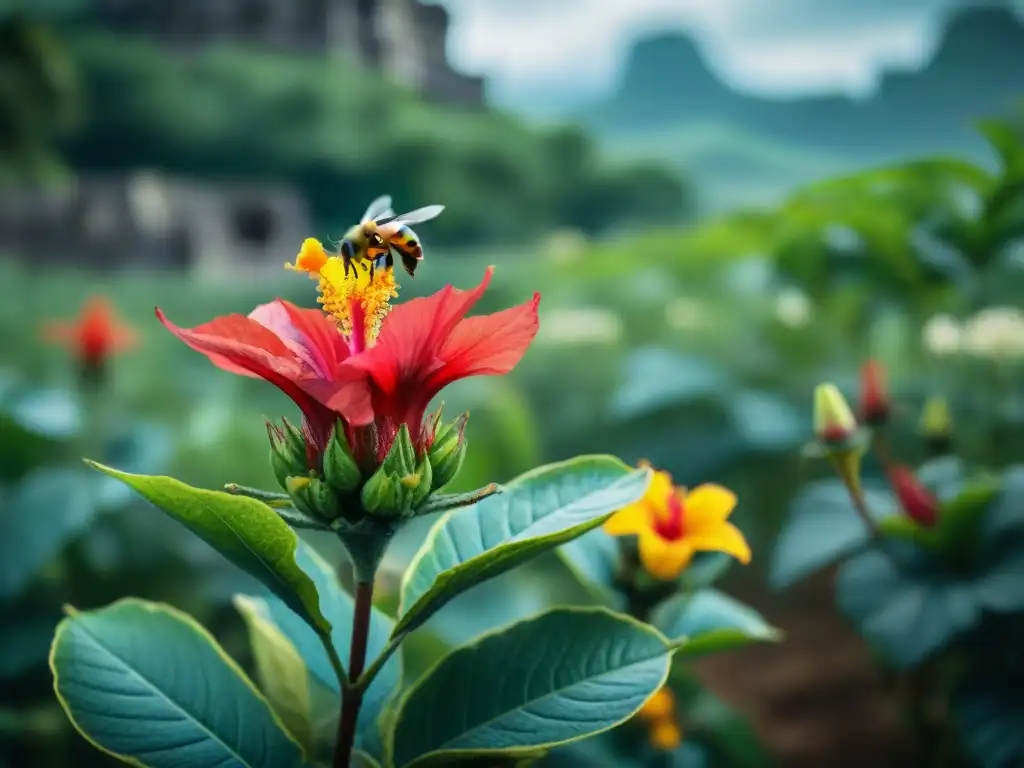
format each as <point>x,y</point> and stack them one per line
<point>918,504</point>
<point>874,394</point>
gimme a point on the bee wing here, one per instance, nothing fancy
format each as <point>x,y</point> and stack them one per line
<point>379,208</point>
<point>420,215</point>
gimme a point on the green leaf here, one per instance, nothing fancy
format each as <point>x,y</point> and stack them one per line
<point>705,569</point>
<point>528,687</point>
<point>537,512</point>
<point>147,684</point>
<point>1005,141</point>
<point>339,608</point>
<point>247,532</point>
<point>37,520</point>
<point>710,621</point>
<point>361,759</point>
<point>1005,517</point>
<point>822,528</point>
<point>990,712</point>
<point>281,671</point>
<point>594,560</point>
<point>908,611</point>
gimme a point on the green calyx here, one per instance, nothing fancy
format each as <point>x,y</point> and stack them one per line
<point>287,451</point>
<point>401,485</point>
<point>341,471</point>
<point>314,497</point>
<point>448,450</point>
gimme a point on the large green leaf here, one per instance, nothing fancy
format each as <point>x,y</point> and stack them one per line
<point>989,711</point>
<point>907,605</point>
<point>339,608</point>
<point>537,512</point>
<point>146,683</point>
<point>709,621</point>
<point>594,560</point>
<point>545,681</point>
<point>280,670</point>
<point>249,533</point>
<point>37,519</point>
<point>822,528</point>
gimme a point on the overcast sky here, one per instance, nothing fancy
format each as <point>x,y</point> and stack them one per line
<point>766,46</point>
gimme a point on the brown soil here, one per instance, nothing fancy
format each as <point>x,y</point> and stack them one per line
<point>817,699</point>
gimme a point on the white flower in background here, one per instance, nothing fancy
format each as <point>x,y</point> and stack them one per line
<point>565,246</point>
<point>580,325</point>
<point>686,314</point>
<point>996,332</point>
<point>942,335</point>
<point>793,308</point>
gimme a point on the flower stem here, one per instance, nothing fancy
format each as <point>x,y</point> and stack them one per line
<point>352,695</point>
<point>860,506</point>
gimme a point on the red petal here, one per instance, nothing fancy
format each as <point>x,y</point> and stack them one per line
<point>487,345</point>
<point>238,344</point>
<point>348,394</point>
<point>412,335</point>
<point>322,337</point>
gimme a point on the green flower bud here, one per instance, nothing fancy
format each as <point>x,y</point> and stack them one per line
<point>340,469</point>
<point>287,451</point>
<point>833,420</point>
<point>448,451</point>
<point>401,459</point>
<point>314,497</point>
<point>383,496</point>
<point>424,484</point>
<point>839,438</point>
<point>937,426</point>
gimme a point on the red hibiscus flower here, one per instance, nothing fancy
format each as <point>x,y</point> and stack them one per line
<point>94,336</point>
<point>373,366</point>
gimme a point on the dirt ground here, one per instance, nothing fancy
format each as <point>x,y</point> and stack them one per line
<point>816,699</point>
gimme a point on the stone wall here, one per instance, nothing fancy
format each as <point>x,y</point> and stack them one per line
<point>217,231</point>
<point>403,39</point>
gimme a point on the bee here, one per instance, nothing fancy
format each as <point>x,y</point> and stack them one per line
<point>381,232</point>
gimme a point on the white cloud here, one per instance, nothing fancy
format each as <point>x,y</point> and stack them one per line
<point>782,46</point>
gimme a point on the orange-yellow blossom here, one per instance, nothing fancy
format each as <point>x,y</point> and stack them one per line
<point>672,525</point>
<point>659,712</point>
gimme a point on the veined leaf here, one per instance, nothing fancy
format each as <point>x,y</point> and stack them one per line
<point>531,686</point>
<point>147,684</point>
<point>537,512</point>
<point>247,532</point>
<point>282,673</point>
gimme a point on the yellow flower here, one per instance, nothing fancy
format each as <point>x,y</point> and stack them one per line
<point>659,706</point>
<point>665,735</point>
<point>672,525</point>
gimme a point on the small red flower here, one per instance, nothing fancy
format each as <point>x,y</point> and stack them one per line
<point>874,394</point>
<point>95,335</point>
<point>373,366</point>
<point>918,504</point>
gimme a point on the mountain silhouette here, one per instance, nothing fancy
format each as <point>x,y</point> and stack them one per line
<point>977,69</point>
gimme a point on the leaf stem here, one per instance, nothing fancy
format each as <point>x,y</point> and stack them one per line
<point>375,666</point>
<point>352,695</point>
<point>335,660</point>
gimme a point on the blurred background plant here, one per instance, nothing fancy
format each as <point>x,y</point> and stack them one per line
<point>707,255</point>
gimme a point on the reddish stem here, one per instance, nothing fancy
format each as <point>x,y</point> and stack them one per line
<point>352,697</point>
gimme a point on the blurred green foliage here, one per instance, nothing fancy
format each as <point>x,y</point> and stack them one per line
<point>335,132</point>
